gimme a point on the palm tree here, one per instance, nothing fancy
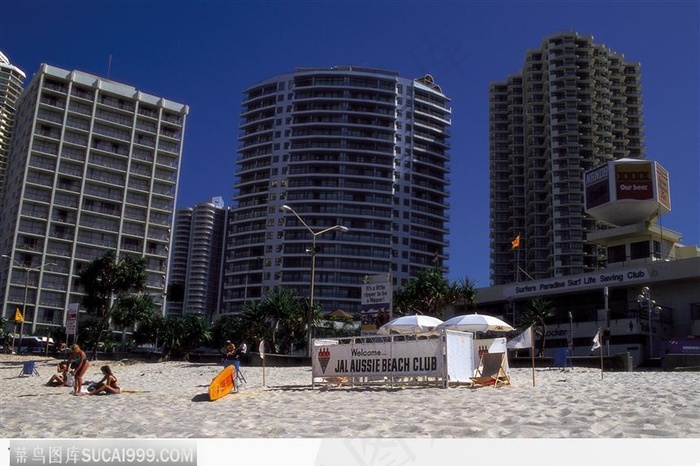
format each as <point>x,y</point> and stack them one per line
<point>464,292</point>
<point>536,313</point>
<point>427,294</point>
<point>284,310</point>
<point>105,280</point>
<point>256,323</point>
<point>131,309</point>
<point>182,334</point>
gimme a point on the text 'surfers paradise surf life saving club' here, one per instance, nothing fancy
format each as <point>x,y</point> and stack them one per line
<point>223,383</point>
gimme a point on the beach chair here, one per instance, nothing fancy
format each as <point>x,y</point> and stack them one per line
<point>561,358</point>
<point>239,374</point>
<point>28,368</point>
<point>491,370</point>
<point>235,362</point>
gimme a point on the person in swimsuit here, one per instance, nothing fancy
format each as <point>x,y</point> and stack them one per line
<point>59,378</point>
<point>109,383</point>
<point>80,365</point>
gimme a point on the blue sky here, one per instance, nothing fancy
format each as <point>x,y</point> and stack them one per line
<point>205,53</point>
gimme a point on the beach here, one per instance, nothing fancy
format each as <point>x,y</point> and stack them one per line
<point>170,400</point>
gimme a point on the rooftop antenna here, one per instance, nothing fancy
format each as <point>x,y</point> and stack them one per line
<point>109,65</point>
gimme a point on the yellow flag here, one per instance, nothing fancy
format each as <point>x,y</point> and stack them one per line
<point>18,316</point>
<point>516,242</point>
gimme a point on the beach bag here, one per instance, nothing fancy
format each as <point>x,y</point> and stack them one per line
<point>70,380</point>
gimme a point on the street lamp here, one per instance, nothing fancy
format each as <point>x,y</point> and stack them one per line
<point>24,304</point>
<point>312,251</point>
<point>645,301</point>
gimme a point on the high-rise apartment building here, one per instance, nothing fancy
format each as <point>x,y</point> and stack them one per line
<point>574,105</point>
<point>93,167</point>
<point>11,79</point>
<point>354,147</point>
<point>195,272</point>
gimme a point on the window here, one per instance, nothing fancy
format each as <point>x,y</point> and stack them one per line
<point>639,250</point>
<point>616,253</point>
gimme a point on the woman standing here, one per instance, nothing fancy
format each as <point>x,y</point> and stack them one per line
<point>80,365</point>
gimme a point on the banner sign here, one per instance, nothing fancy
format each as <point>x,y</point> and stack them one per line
<point>72,319</point>
<point>387,358</point>
<point>375,303</point>
<point>633,181</point>
<point>616,277</point>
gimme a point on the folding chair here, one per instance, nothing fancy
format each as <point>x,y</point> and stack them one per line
<point>561,358</point>
<point>237,363</point>
<point>239,374</point>
<point>29,368</point>
<point>491,370</point>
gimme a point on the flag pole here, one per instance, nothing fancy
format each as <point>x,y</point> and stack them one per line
<point>601,361</point>
<point>532,352</point>
<point>261,349</point>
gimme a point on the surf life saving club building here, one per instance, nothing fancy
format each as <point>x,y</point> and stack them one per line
<point>645,295</point>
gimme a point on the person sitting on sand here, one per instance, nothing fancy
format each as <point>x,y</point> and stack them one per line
<point>109,383</point>
<point>80,365</point>
<point>59,378</point>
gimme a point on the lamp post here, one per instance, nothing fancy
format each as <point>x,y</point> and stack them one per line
<point>312,251</point>
<point>27,270</point>
<point>645,301</point>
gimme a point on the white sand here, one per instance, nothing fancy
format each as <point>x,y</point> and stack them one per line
<point>170,400</point>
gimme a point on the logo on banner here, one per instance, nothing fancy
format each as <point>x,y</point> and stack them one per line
<point>324,355</point>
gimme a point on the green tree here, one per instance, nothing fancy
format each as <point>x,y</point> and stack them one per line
<point>89,333</point>
<point>130,310</point>
<point>536,313</point>
<point>287,318</point>
<point>105,281</point>
<point>428,294</point>
<point>5,336</point>
<point>151,329</point>
<point>256,324</point>
<point>464,293</point>
<point>183,334</point>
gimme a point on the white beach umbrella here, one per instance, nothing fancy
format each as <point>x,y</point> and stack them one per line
<point>476,323</point>
<point>410,324</point>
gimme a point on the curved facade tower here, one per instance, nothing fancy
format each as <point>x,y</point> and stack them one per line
<point>195,261</point>
<point>361,148</point>
<point>11,79</point>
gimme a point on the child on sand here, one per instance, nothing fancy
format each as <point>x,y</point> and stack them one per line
<point>109,383</point>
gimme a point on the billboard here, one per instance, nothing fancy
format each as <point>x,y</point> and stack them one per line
<point>627,191</point>
<point>375,303</point>
<point>663,188</point>
<point>72,319</point>
<point>597,186</point>
<point>633,181</point>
